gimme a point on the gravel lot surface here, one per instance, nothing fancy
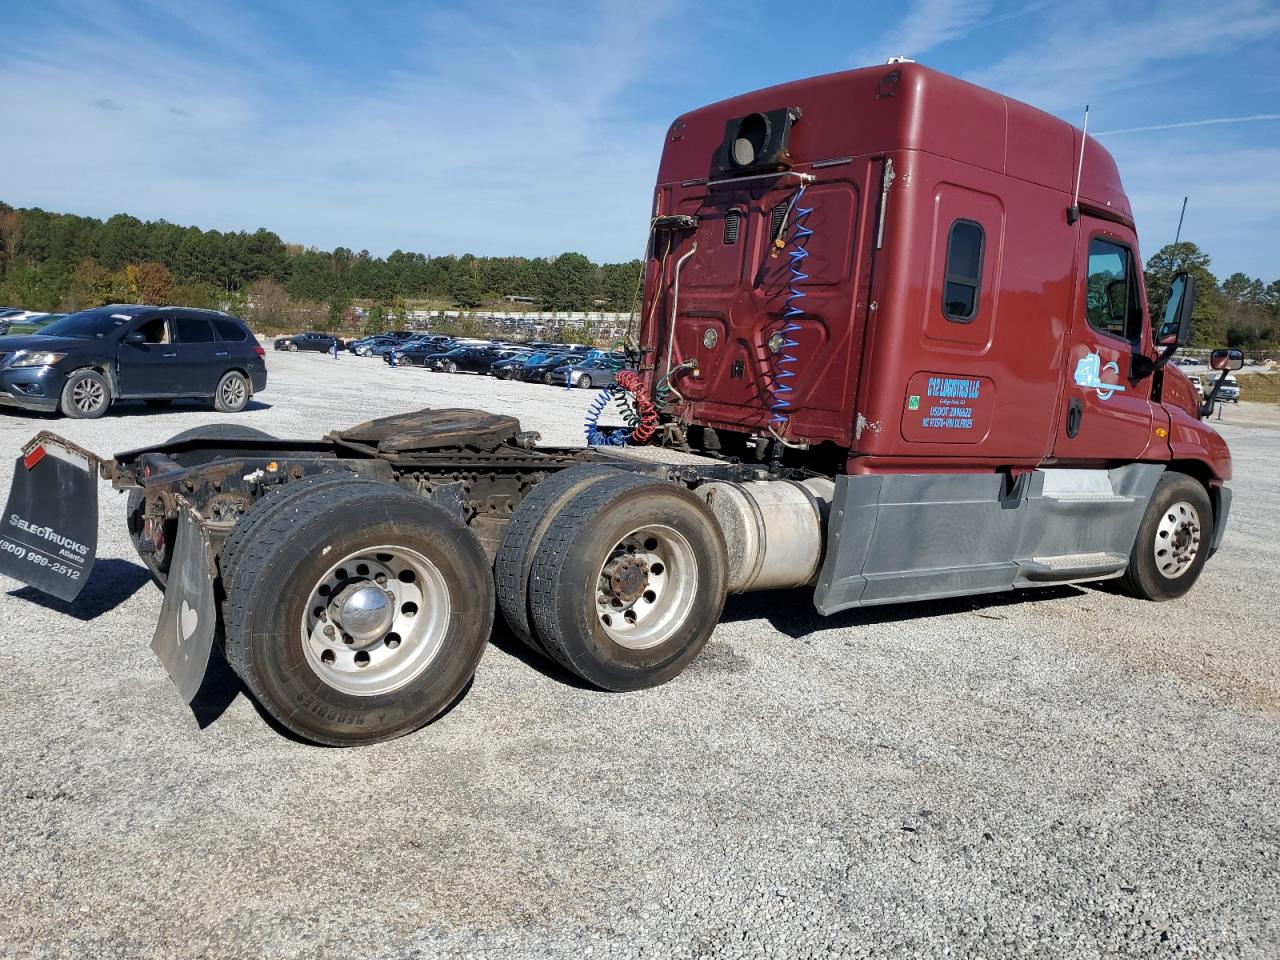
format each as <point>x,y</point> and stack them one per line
<point>1058,773</point>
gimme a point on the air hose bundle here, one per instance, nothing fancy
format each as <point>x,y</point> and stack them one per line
<point>637,410</point>
<point>779,402</point>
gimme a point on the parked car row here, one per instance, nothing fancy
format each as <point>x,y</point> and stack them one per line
<point>573,364</point>
<point>547,363</point>
<point>14,321</point>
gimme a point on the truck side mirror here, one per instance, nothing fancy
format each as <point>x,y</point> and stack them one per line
<point>1226,360</point>
<point>135,336</point>
<point>1175,329</point>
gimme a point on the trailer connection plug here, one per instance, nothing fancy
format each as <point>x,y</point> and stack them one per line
<point>781,341</point>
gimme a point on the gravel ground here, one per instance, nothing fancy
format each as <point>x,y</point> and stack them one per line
<point>1065,773</point>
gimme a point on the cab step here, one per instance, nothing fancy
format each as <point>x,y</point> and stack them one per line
<point>1073,566</point>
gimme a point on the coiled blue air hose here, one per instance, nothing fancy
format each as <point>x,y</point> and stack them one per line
<point>779,388</point>
<point>597,437</point>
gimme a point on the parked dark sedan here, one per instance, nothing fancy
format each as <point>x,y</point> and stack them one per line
<point>321,342</point>
<point>82,363</point>
<point>470,359</point>
<point>367,346</point>
<point>545,369</point>
<point>596,372</point>
<point>416,354</point>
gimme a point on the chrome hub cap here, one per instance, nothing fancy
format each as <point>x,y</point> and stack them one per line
<point>376,620</point>
<point>1177,540</point>
<point>364,611</point>
<point>646,587</point>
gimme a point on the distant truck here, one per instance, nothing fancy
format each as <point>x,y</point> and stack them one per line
<point>902,317</point>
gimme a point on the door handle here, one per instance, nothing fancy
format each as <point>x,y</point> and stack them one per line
<point>1075,414</point>
<point>169,354</point>
<point>224,353</point>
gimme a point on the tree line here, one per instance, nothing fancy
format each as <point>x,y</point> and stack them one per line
<point>60,261</point>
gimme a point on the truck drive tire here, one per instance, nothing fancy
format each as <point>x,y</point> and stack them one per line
<point>628,583</point>
<point>270,505</point>
<point>524,532</point>
<point>158,563</point>
<point>85,396</point>
<point>1173,540</point>
<point>232,394</point>
<point>361,615</point>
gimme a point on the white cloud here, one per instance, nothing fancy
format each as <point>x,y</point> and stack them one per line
<point>926,24</point>
<point>1097,49</point>
<point>501,132</point>
<point>1212,121</point>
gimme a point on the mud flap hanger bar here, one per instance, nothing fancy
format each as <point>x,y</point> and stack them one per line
<point>36,448</point>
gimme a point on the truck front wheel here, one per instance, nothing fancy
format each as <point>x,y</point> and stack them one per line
<point>359,614</point>
<point>628,583</point>
<point>1173,540</point>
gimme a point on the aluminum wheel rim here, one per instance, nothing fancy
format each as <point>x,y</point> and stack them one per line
<point>366,658</point>
<point>88,395</point>
<point>233,392</point>
<point>1177,540</point>
<point>646,587</point>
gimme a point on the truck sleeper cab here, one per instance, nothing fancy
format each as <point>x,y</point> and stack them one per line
<point>916,365</point>
<point>896,284</point>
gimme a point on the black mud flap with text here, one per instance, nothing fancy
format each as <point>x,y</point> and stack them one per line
<point>49,535</point>
<point>188,617</point>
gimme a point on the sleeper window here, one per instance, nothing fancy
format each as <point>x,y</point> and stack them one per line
<point>963,272</point>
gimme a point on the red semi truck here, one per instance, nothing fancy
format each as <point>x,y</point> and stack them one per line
<point>902,317</point>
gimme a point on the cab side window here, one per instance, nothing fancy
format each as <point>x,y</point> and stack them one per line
<point>1111,292</point>
<point>963,278</point>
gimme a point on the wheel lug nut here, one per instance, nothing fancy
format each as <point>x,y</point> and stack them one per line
<point>381,579</point>
<point>329,631</point>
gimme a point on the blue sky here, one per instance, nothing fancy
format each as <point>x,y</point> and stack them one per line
<point>535,128</point>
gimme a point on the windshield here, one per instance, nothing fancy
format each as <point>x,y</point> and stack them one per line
<point>456,352</point>
<point>87,325</point>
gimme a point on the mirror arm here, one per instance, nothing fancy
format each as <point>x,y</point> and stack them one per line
<point>1206,408</point>
<point>1164,357</point>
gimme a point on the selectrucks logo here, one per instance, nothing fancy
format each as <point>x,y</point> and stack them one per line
<point>49,534</point>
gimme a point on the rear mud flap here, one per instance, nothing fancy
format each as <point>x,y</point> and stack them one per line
<point>49,535</point>
<point>188,616</point>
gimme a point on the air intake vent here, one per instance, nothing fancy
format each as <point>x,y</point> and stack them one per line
<point>777,219</point>
<point>732,224</point>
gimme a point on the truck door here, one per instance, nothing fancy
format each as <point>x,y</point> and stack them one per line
<point>1106,413</point>
<point>201,358</point>
<point>148,369</point>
